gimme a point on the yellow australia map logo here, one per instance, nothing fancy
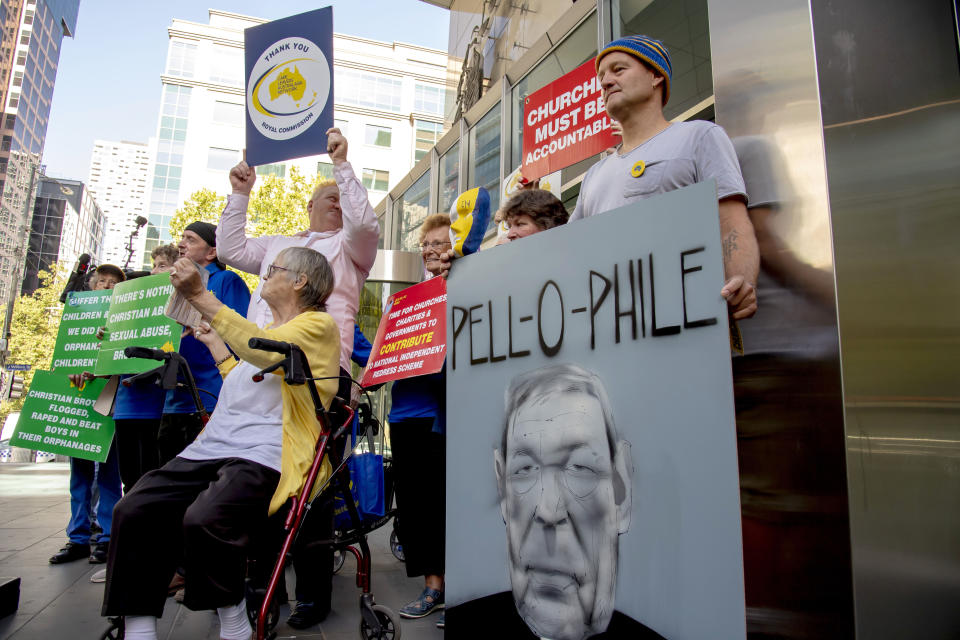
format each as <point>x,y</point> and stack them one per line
<point>288,88</point>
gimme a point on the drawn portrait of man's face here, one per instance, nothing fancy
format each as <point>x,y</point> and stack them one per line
<point>564,485</point>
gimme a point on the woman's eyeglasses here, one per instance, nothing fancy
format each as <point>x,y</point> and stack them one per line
<point>436,245</point>
<point>273,268</point>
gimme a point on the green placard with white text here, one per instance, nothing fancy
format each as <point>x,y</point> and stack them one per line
<point>59,418</point>
<point>77,346</point>
<point>136,318</point>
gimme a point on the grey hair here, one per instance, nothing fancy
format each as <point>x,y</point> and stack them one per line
<point>537,385</point>
<point>314,266</point>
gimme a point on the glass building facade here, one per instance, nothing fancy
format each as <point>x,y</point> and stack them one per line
<point>33,31</point>
<point>484,145</point>
<point>66,223</point>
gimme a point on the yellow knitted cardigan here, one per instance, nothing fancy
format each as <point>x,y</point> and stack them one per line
<point>317,335</point>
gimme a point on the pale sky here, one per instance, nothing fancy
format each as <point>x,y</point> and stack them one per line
<point>108,82</point>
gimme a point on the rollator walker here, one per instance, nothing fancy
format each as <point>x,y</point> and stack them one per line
<point>377,621</point>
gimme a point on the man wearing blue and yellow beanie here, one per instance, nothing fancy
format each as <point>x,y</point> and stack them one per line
<point>657,156</point>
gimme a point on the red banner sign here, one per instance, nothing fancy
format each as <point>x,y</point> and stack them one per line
<point>412,336</point>
<point>564,123</point>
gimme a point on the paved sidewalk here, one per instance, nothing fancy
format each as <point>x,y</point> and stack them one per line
<point>60,602</point>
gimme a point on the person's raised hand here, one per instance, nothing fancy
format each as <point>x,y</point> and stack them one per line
<point>336,146</point>
<point>741,297</point>
<point>242,178</point>
<point>186,279</point>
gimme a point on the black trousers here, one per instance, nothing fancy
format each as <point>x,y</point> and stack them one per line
<point>200,513</point>
<point>177,430</point>
<point>419,466</point>
<point>137,450</point>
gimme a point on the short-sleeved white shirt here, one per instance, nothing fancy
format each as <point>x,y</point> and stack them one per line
<point>681,155</point>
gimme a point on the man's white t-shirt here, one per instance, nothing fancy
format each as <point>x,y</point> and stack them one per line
<point>681,155</point>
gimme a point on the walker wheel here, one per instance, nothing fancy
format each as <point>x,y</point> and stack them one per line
<point>338,559</point>
<point>395,547</point>
<point>255,601</point>
<point>116,630</point>
<point>387,621</point>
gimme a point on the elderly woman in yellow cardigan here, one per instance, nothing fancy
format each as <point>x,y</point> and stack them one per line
<point>252,456</point>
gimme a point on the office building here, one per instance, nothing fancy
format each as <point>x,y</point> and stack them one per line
<point>388,100</point>
<point>118,182</point>
<point>33,33</point>
<point>66,223</point>
<point>848,423</point>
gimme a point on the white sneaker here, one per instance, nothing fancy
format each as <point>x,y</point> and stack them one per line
<point>99,576</point>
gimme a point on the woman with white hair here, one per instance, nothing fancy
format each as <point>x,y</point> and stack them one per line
<point>201,508</point>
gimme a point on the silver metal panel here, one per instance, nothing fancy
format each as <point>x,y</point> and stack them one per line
<point>396,266</point>
<point>890,87</point>
<point>788,386</point>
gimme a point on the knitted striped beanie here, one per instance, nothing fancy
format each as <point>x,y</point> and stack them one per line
<point>648,50</point>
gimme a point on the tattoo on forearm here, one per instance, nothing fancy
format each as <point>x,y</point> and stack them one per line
<point>729,244</point>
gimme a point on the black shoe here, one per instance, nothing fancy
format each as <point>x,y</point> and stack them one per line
<point>70,552</point>
<point>307,614</point>
<point>99,553</point>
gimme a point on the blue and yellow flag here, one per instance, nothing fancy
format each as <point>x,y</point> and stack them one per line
<point>469,217</point>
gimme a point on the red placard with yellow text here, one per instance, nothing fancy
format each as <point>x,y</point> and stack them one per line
<point>412,336</point>
<point>565,122</point>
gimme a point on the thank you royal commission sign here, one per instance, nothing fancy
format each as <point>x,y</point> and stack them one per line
<point>591,447</point>
<point>77,345</point>
<point>565,122</point>
<point>59,418</point>
<point>289,71</point>
<point>136,318</point>
<point>411,338</point>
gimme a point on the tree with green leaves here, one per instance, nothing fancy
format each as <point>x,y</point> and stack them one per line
<point>33,328</point>
<point>278,206</point>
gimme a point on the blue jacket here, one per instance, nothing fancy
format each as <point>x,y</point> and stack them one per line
<point>233,292</point>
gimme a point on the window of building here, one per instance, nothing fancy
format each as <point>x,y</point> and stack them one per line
<point>25,38</point>
<point>226,65</point>
<point>279,170</point>
<point>22,58</point>
<point>228,113</point>
<point>5,143</point>
<point>686,36</point>
<point>17,78</point>
<point>166,177</point>
<point>176,101</point>
<point>414,208</point>
<point>342,125</point>
<point>181,59</point>
<point>427,134</point>
<point>378,136</point>
<point>376,179</point>
<point>325,170</point>
<point>28,17</point>
<point>428,99</point>
<point>483,168</point>
<point>14,101</point>
<point>219,159</point>
<point>449,177</point>
<point>370,90</point>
